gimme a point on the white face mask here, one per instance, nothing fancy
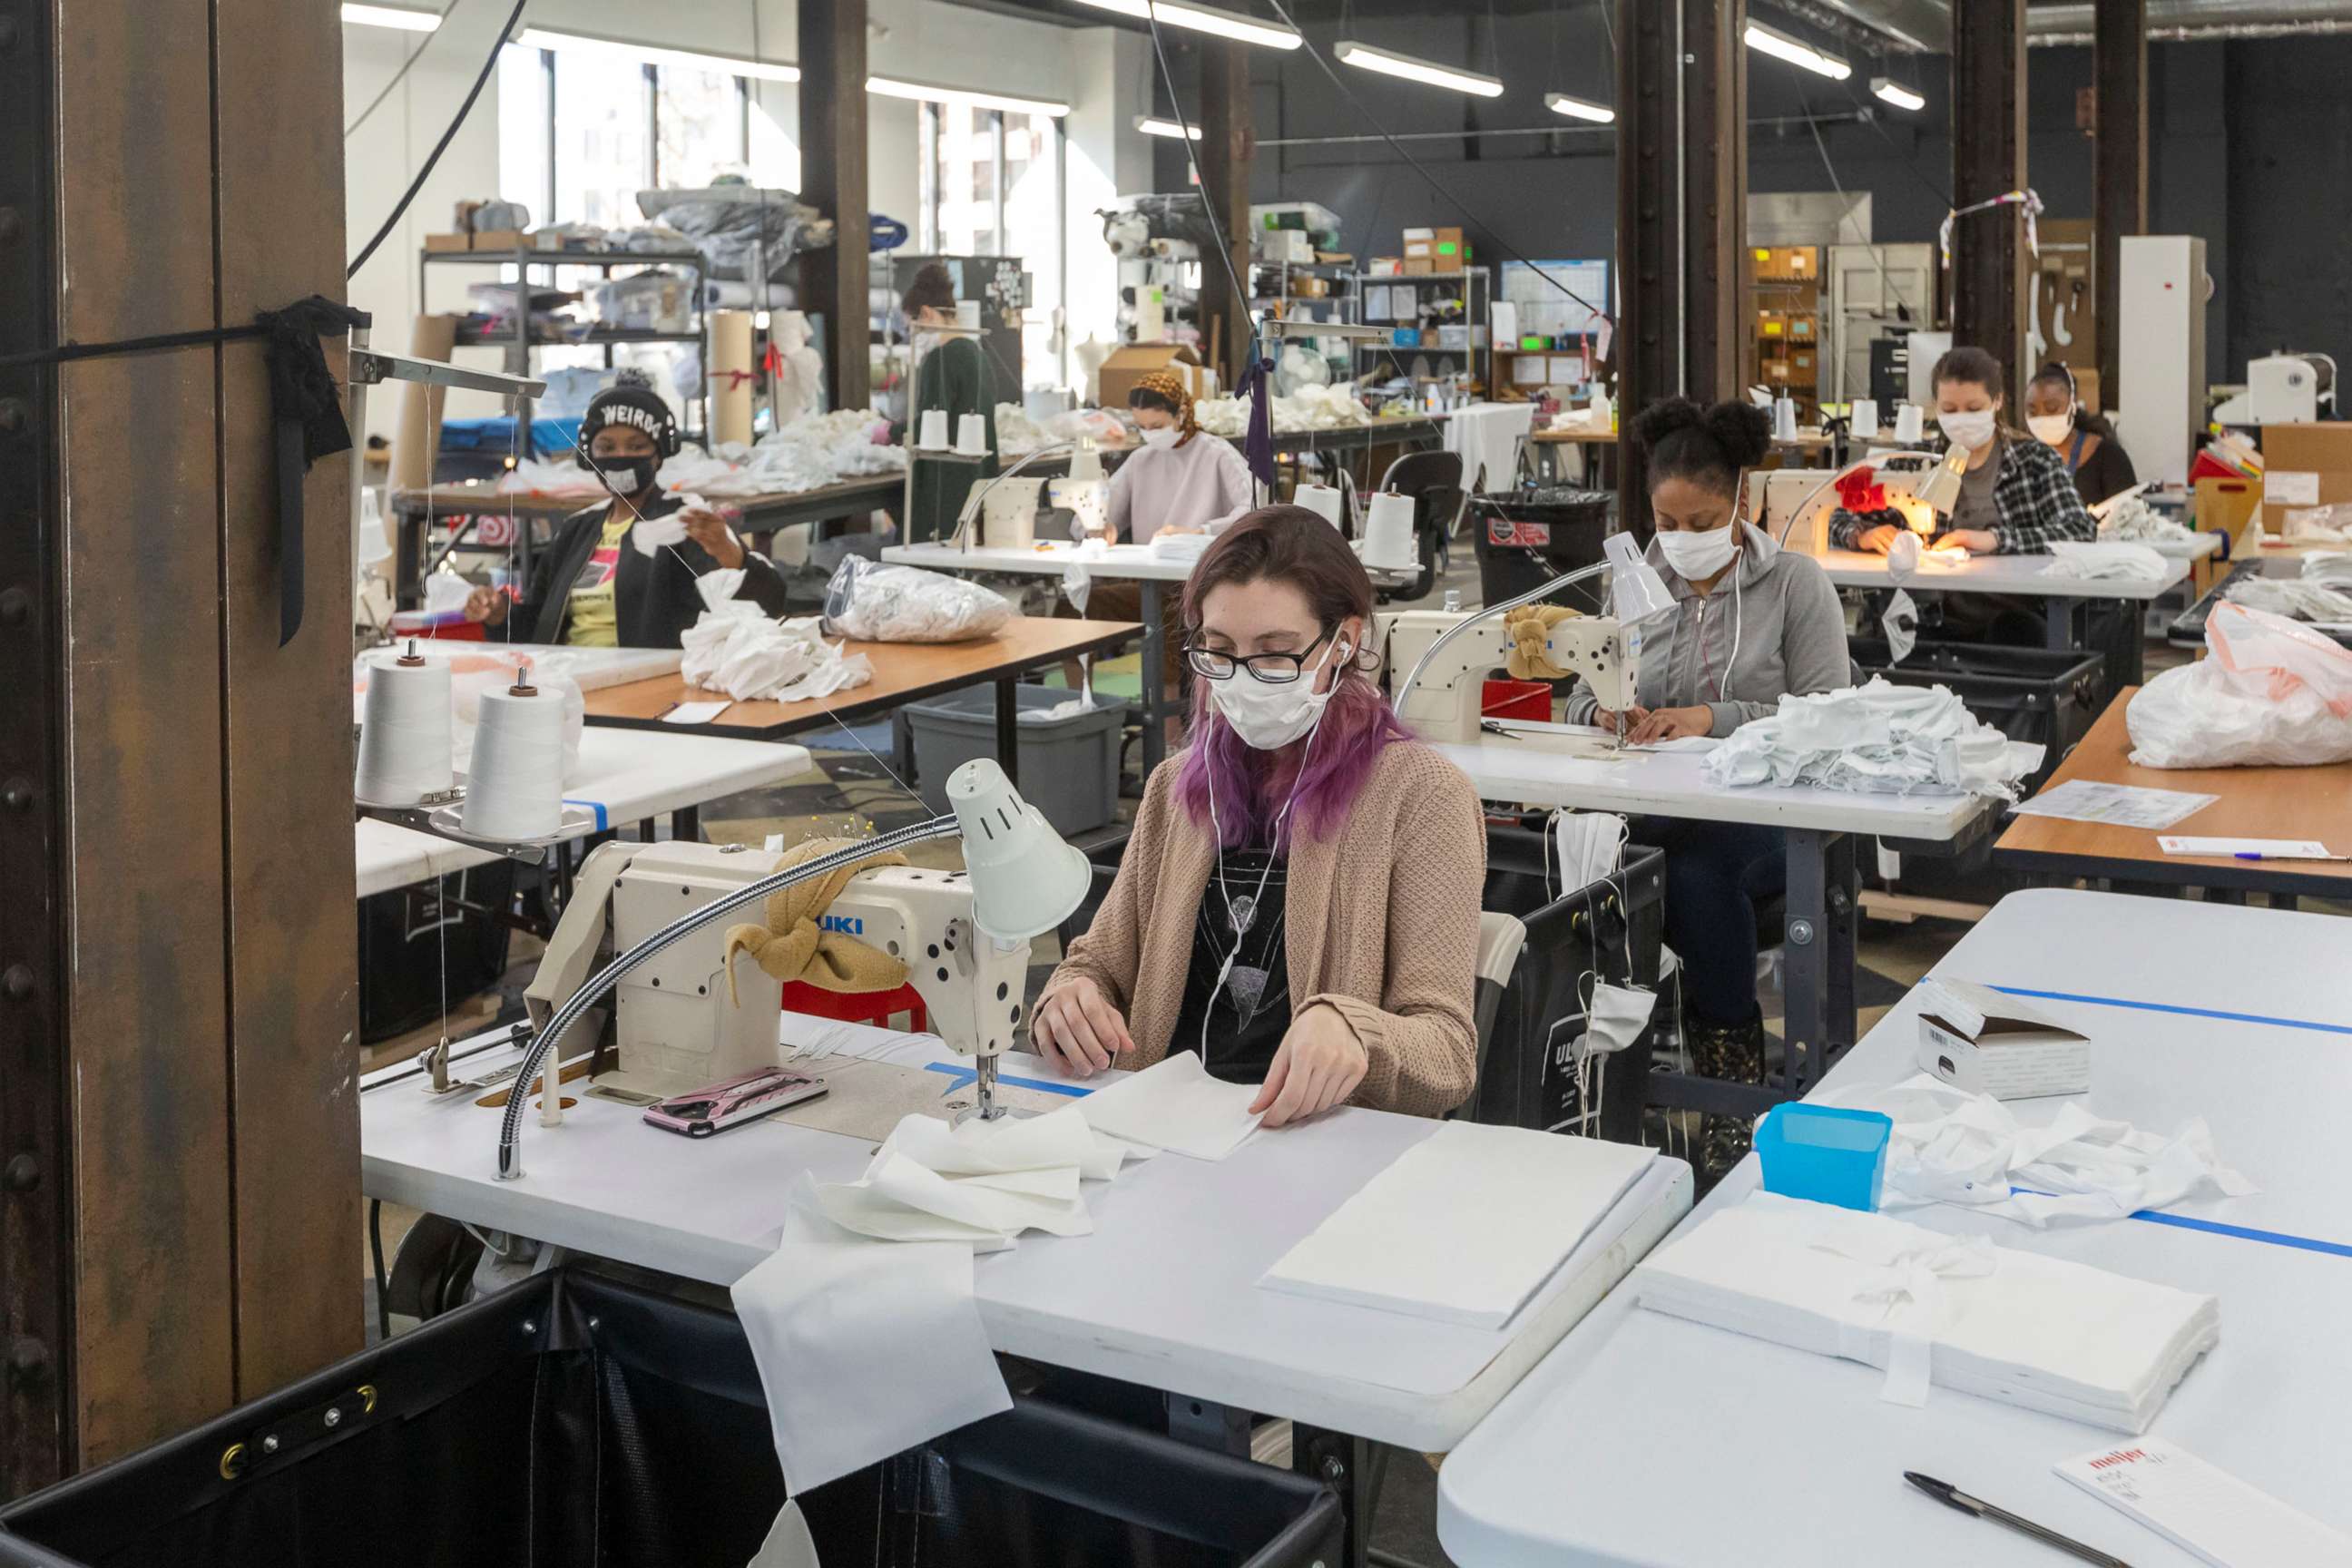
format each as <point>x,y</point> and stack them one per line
<point>1165,436</point>
<point>1698,556</point>
<point>1269,715</point>
<point>1968,431</point>
<point>2050,429</point>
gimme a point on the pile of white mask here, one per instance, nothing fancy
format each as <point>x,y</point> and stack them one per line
<point>1876,738</point>
<point>736,649</point>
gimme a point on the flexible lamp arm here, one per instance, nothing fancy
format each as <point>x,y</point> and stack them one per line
<point>1397,697</point>
<point>1855,467</point>
<point>972,502</point>
<point>541,1054</point>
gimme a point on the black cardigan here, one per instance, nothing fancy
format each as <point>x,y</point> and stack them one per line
<point>2105,472</point>
<point>654,599</point>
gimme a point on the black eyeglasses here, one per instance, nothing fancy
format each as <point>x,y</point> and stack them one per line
<point>1273,669</point>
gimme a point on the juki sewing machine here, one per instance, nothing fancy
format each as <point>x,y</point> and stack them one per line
<point>1444,702</point>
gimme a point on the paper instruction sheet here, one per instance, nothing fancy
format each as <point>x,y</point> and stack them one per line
<point>2116,805</point>
<point>2204,1510</point>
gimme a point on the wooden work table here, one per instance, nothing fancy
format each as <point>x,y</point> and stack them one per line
<point>903,673</point>
<point>2255,803</point>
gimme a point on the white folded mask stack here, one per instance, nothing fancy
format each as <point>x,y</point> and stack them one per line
<point>1950,1146</point>
<point>736,649</point>
<point>2301,598</point>
<point>1955,1312</point>
<point>1167,546</point>
<point>2129,519</point>
<point>1876,739</point>
<point>2110,561</point>
<point>2333,567</point>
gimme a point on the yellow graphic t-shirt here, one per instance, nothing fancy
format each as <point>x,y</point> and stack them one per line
<point>592,622</point>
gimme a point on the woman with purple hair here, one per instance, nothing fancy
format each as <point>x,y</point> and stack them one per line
<point>1299,899</point>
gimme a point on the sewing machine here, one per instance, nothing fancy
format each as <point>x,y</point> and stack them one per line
<point>678,1028</point>
<point>2284,388</point>
<point>1794,505</point>
<point>1444,704</point>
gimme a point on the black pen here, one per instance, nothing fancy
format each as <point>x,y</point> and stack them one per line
<point>1951,1496</point>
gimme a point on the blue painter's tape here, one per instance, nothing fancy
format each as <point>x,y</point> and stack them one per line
<point>2216,1227</point>
<point>2311,1024</point>
<point>964,1076</point>
<point>598,807</point>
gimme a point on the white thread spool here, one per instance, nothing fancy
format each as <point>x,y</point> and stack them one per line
<point>1909,424</point>
<point>1866,419</point>
<point>405,734</point>
<point>1784,418</point>
<point>935,428</point>
<point>1388,532</point>
<point>972,436</point>
<point>1325,501</point>
<point>514,785</point>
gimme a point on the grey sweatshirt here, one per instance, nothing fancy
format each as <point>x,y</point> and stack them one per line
<point>1779,608</point>
<point>1203,484</point>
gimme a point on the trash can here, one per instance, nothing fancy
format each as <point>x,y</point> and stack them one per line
<point>1612,930</point>
<point>426,946</point>
<point>1531,535</point>
<point>573,1420</point>
<point>1069,766</point>
<point>2047,697</point>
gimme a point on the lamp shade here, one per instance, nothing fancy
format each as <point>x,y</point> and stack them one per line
<point>1025,878</point>
<point>1941,488</point>
<point>1637,591</point>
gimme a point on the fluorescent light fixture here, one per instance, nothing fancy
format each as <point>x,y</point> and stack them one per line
<point>1366,57</point>
<point>398,16</point>
<point>1579,108</point>
<point>1205,19</point>
<point>1152,125</point>
<point>1895,93</point>
<point>654,55</point>
<point>924,93</point>
<point>1782,46</point>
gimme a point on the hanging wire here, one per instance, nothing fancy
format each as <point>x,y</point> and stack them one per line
<point>398,74</point>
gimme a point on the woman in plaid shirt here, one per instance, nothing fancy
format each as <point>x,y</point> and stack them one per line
<point>2017,497</point>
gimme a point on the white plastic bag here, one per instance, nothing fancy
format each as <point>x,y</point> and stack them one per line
<point>2272,693</point>
<point>906,603</point>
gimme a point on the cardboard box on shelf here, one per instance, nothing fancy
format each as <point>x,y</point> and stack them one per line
<point>2303,466</point>
<point>500,240</point>
<point>1772,324</point>
<point>1785,262</point>
<point>1131,362</point>
<point>448,242</point>
<point>1385,267</point>
<point>1311,288</point>
<point>1451,248</point>
<point>1419,267</point>
<point>2226,506</point>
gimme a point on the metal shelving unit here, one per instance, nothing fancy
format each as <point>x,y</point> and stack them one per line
<point>1284,295</point>
<point>520,344</point>
<point>1476,287</point>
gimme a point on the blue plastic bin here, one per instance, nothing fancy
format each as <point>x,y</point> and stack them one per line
<point>1824,1153</point>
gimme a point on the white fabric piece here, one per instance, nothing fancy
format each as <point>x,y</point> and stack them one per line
<point>1174,1105</point>
<point>2128,519</point>
<point>2271,693</point>
<point>1487,435</point>
<point>906,603</point>
<point>737,650</point>
<point>2300,598</point>
<point>1953,1147</point>
<point>1876,738</point>
<point>2039,1332</point>
<point>2105,560</point>
<point>652,535</point>
<point>1591,845</point>
<point>1019,1143</point>
<point>789,1543</point>
<point>1901,624</point>
<point>1463,1227</point>
<point>2330,567</point>
<point>865,1351</point>
<point>1190,547</point>
<point>1616,1018</point>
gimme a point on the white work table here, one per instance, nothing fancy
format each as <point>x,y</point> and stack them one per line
<point>1163,1293</point>
<point>626,775</point>
<point>1651,1440</point>
<point>1822,828</point>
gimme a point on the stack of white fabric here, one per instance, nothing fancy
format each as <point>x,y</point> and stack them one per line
<point>1876,738</point>
<point>2129,519</point>
<point>2333,567</point>
<point>1186,547</point>
<point>2106,559</point>
<point>736,649</point>
<point>1955,1312</point>
<point>1950,1146</point>
<point>1331,408</point>
<point>2303,598</point>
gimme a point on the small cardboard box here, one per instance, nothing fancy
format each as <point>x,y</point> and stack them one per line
<point>1419,267</point>
<point>449,242</point>
<point>1986,1042</point>
<point>1131,363</point>
<point>2303,466</point>
<point>2223,505</point>
<point>1421,250</point>
<point>500,240</point>
<point>1451,248</point>
<point>1384,267</point>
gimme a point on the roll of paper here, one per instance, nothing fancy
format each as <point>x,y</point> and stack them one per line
<point>404,752</point>
<point>1325,501</point>
<point>1909,424</point>
<point>514,785</point>
<point>935,428</point>
<point>419,435</point>
<point>731,377</point>
<point>968,314</point>
<point>971,435</point>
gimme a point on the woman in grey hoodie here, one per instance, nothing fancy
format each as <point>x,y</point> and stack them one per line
<point>1752,623</point>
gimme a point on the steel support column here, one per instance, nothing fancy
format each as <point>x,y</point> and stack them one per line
<point>1988,254</point>
<point>1682,175</point>
<point>1227,145</point>
<point>833,180</point>
<point>2119,169</point>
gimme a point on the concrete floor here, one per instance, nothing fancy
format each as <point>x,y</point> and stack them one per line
<point>851,790</point>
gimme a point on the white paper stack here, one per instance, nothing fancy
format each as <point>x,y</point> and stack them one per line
<point>1955,1312</point>
<point>1175,1105</point>
<point>1187,547</point>
<point>1464,1226</point>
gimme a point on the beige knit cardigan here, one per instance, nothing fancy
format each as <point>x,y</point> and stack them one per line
<point>1380,922</point>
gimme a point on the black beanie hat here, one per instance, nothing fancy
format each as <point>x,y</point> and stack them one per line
<point>631,401</point>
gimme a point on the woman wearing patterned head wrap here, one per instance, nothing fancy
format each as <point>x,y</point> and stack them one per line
<point>1183,481</point>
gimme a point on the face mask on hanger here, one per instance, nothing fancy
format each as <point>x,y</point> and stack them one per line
<point>1269,715</point>
<point>1969,431</point>
<point>1696,556</point>
<point>2050,430</point>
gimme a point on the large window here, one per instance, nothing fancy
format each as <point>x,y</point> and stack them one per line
<point>603,156</point>
<point>992,186</point>
<point>703,122</point>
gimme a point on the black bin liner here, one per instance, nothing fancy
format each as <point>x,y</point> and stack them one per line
<point>1531,536</point>
<point>1612,930</point>
<point>572,1422</point>
<point>426,946</point>
<point>2048,697</point>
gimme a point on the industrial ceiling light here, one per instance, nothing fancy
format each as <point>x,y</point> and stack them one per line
<point>397,16</point>
<point>654,55</point>
<point>1579,108</point>
<point>1796,52</point>
<point>926,92</point>
<point>1889,90</point>
<point>1152,125</point>
<point>1366,57</point>
<point>1205,19</point>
